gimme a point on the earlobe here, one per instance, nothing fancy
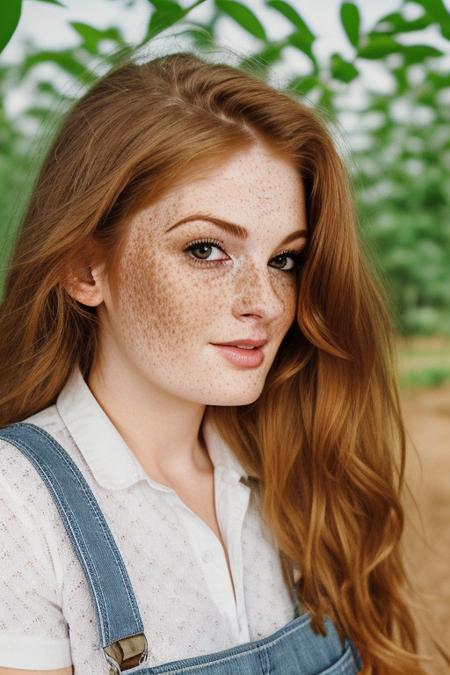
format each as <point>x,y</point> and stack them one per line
<point>85,286</point>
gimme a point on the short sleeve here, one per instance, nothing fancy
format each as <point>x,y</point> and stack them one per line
<point>33,631</point>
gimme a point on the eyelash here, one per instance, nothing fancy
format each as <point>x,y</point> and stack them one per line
<point>297,257</point>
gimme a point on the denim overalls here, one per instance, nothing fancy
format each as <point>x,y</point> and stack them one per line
<point>293,649</point>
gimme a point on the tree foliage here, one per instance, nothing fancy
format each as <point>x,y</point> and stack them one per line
<point>399,139</point>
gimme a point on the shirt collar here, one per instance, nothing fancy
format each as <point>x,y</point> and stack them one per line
<point>111,461</point>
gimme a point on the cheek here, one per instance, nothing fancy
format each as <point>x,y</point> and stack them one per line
<point>285,287</point>
<point>166,302</point>
<point>290,295</point>
<point>163,303</point>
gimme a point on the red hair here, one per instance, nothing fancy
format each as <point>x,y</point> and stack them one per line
<point>325,440</point>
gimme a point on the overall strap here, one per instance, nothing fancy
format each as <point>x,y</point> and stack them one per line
<point>120,625</point>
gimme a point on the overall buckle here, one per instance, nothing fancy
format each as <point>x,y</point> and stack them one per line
<point>126,653</point>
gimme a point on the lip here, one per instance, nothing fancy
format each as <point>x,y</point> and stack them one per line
<point>245,341</point>
<point>245,358</point>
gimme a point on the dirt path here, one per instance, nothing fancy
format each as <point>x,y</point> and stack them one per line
<point>427,418</point>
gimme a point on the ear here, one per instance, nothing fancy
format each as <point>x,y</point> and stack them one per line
<point>85,286</point>
<point>84,281</point>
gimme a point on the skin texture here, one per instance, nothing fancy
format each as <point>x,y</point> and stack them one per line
<point>156,370</point>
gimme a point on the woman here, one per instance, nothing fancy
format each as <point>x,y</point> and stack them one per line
<point>173,505</point>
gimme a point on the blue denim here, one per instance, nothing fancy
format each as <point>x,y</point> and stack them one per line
<point>293,649</point>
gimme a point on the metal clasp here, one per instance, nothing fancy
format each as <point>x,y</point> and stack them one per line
<point>126,653</point>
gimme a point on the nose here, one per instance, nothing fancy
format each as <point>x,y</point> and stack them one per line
<point>264,292</point>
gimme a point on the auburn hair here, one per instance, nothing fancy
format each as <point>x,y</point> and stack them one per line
<point>325,440</point>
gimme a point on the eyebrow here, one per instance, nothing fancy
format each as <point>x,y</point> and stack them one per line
<point>233,229</point>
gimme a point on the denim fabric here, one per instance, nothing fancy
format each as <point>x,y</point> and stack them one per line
<point>293,649</point>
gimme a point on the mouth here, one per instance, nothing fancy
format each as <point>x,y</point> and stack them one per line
<point>243,356</point>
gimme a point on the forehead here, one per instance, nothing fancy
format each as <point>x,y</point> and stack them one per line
<point>254,184</point>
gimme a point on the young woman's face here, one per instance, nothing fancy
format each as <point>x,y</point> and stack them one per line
<point>178,296</point>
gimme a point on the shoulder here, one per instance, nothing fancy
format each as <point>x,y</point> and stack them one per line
<point>50,420</point>
<point>13,461</point>
<point>32,624</point>
<point>27,510</point>
<point>19,480</point>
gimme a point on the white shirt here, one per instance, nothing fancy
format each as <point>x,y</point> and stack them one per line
<point>174,560</point>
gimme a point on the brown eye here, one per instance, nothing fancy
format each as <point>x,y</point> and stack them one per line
<point>204,245</point>
<point>297,260</point>
<point>283,258</point>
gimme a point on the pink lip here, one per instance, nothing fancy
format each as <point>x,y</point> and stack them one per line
<point>246,358</point>
<point>245,341</point>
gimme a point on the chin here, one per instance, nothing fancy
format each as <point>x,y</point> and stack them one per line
<point>240,398</point>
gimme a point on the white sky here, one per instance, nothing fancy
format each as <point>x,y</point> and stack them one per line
<point>48,27</point>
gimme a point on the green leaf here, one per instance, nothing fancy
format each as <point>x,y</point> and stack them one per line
<point>64,59</point>
<point>301,42</point>
<point>435,8</point>
<point>427,98</point>
<point>401,78</point>
<point>438,11</point>
<point>160,20</point>
<point>47,87</point>
<point>271,52</point>
<point>38,112</point>
<point>294,17</point>
<point>376,46</point>
<point>351,21</point>
<point>52,2</point>
<point>438,80</point>
<point>165,5</point>
<point>168,14</point>
<point>326,101</point>
<point>398,24</point>
<point>201,35</point>
<point>243,16</point>
<point>91,36</point>
<point>380,104</point>
<point>445,30</point>
<point>9,18</point>
<point>342,70</point>
<point>261,61</point>
<point>303,84</point>
<point>417,53</point>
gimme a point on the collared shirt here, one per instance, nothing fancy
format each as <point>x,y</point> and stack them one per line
<point>175,561</point>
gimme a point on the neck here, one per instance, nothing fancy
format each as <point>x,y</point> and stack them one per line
<point>163,431</point>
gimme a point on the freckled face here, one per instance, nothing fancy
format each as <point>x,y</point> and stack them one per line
<point>171,307</point>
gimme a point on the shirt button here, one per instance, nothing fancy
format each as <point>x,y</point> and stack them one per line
<point>207,556</point>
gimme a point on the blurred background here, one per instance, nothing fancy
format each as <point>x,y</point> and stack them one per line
<point>379,72</point>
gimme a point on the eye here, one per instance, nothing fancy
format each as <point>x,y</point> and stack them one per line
<point>297,258</point>
<point>294,256</point>
<point>204,244</point>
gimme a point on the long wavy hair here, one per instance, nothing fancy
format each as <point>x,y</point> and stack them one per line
<point>325,440</point>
